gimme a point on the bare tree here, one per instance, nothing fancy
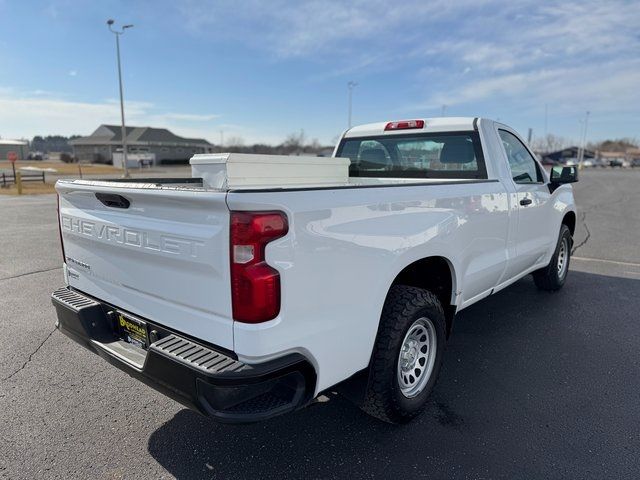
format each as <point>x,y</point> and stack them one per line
<point>549,143</point>
<point>294,140</point>
<point>617,145</point>
<point>234,142</point>
<point>294,143</point>
<point>315,145</point>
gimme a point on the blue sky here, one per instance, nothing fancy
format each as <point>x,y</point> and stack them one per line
<point>260,70</point>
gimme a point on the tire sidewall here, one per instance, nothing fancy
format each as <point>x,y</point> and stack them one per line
<point>564,234</point>
<point>415,404</point>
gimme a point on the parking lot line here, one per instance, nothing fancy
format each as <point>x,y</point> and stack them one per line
<point>613,262</point>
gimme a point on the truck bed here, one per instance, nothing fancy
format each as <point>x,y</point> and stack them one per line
<point>197,184</point>
<point>165,254</point>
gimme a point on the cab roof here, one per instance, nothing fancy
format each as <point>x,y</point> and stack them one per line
<point>436,124</point>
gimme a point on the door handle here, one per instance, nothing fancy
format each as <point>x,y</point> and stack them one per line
<point>113,200</point>
<point>526,201</point>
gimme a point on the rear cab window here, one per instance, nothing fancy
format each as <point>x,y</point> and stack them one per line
<point>421,155</point>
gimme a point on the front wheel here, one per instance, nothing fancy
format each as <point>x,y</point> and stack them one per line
<point>407,355</point>
<point>553,276</point>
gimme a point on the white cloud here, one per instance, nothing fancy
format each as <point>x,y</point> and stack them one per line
<point>73,73</point>
<point>573,56</point>
<point>187,117</point>
<point>25,115</point>
<point>525,52</point>
<point>472,55</point>
<point>302,28</point>
<point>574,86</point>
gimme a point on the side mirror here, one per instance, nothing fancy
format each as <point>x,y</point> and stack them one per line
<point>561,175</point>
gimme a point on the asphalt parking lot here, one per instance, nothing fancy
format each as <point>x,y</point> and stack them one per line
<point>534,385</point>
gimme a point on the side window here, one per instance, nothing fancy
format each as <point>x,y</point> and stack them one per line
<point>524,168</point>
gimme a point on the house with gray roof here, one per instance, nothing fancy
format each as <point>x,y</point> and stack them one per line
<point>165,146</point>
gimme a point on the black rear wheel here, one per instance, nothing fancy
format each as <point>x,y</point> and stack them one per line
<point>407,354</point>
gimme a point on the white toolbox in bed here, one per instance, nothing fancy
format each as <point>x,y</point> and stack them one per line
<point>238,170</point>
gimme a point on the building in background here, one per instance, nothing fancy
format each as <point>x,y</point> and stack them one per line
<point>566,156</point>
<point>163,146</point>
<point>21,147</point>
<point>613,159</point>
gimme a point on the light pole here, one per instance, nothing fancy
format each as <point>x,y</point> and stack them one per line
<point>125,168</point>
<point>350,85</point>
<point>583,140</point>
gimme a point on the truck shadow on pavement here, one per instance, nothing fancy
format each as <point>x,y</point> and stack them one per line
<point>521,391</point>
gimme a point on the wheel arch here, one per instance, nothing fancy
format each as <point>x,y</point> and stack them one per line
<point>569,219</point>
<point>436,274</point>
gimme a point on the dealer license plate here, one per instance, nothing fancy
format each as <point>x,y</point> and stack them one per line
<point>132,330</point>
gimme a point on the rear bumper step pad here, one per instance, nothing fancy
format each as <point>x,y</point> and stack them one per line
<point>199,376</point>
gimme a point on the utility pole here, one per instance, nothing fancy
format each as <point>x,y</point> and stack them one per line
<point>125,168</point>
<point>546,115</point>
<point>579,154</point>
<point>443,111</point>
<point>583,140</point>
<point>221,139</point>
<point>350,85</point>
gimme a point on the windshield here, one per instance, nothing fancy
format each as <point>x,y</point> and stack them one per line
<point>424,155</point>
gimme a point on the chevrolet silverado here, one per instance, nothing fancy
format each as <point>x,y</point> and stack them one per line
<point>246,299</point>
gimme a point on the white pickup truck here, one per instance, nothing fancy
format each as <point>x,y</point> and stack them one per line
<point>245,302</point>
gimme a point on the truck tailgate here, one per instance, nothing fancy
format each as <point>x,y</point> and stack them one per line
<point>163,257</point>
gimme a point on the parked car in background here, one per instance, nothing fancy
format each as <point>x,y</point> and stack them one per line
<point>616,162</point>
<point>247,290</point>
<point>600,162</point>
<point>635,162</point>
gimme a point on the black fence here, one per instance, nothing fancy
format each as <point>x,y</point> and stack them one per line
<point>10,179</point>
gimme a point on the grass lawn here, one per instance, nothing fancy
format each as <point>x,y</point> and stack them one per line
<point>62,168</point>
<point>29,188</point>
<point>33,187</point>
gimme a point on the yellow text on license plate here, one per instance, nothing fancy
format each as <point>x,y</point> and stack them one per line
<point>132,328</point>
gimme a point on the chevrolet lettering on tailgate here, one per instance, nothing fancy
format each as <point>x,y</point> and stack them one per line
<point>132,237</point>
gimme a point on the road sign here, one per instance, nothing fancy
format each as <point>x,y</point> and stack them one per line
<point>12,157</point>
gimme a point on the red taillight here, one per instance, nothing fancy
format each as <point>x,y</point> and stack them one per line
<point>64,258</point>
<point>255,285</point>
<point>404,125</point>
